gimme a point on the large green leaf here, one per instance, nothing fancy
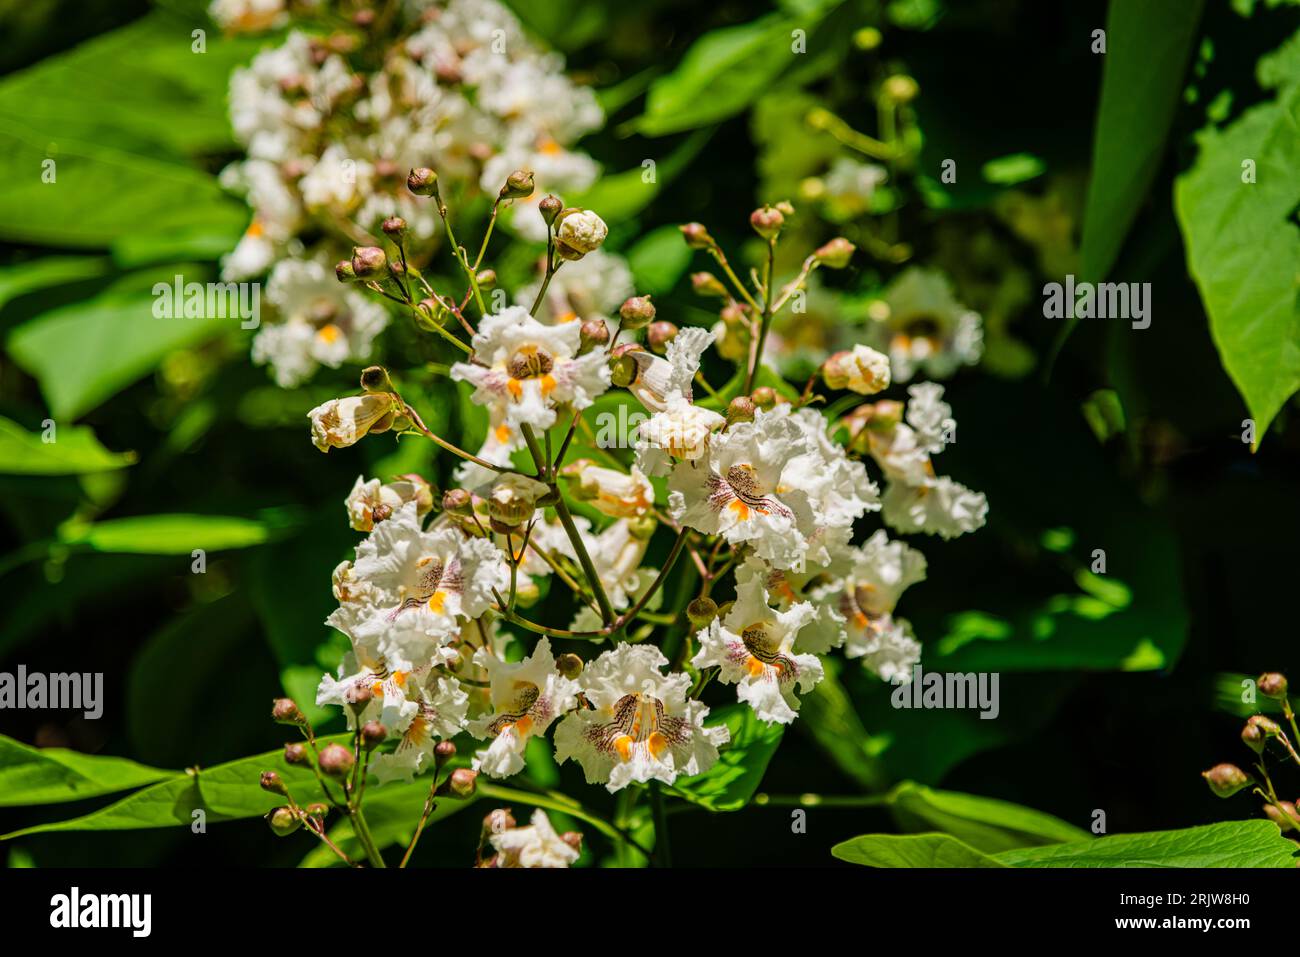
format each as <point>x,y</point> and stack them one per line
<point>986,824</point>
<point>1243,243</point>
<point>25,277</point>
<point>620,196</point>
<point>732,781</point>
<point>1230,844</point>
<point>75,451</point>
<point>170,534</point>
<point>84,353</point>
<point>914,850</point>
<point>226,792</point>
<point>49,775</point>
<point>658,260</point>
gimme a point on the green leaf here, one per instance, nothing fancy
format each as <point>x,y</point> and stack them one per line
<point>1229,844</point>
<point>170,534</point>
<point>986,824</point>
<point>622,195</point>
<point>22,278</point>
<point>75,451</point>
<point>732,781</point>
<point>916,850</point>
<point>84,353</point>
<point>1243,244</point>
<point>49,775</point>
<point>828,714</point>
<point>658,260</point>
<point>226,792</point>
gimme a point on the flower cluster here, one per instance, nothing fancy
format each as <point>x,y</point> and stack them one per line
<point>333,117</point>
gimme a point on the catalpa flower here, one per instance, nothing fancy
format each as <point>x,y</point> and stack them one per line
<point>381,683</point>
<point>940,507</point>
<point>656,379</point>
<point>526,697</point>
<point>339,423</point>
<point>680,433</point>
<point>641,726</point>
<point>613,493</point>
<point>925,329</point>
<point>531,368</point>
<point>753,648</point>
<point>440,705</point>
<point>536,845</point>
<point>374,500</point>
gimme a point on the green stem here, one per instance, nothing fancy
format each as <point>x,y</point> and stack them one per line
<point>756,355</point>
<point>362,831</point>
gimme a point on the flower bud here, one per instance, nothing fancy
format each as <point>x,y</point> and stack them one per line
<point>1225,780</point>
<point>900,89</point>
<point>375,379</point>
<point>283,821</point>
<point>707,284</point>
<point>1288,821</point>
<point>767,222</point>
<point>422,181</point>
<point>550,207</point>
<point>642,527</point>
<point>394,226</point>
<point>462,783</point>
<point>443,752</point>
<point>373,734</point>
<point>519,185</point>
<point>835,254</point>
<point>569,665</point>
<point>764,397</point>
<point>702,611</point>
<point>343,271</point>
<point>623,367</point>
<point>696,236</point>
<point>659,334</point>
<point>458,501</point>
<point>368,261</point>
<point>868,38</point>
<point>271,782</point>
<point>740,409</point>
<point>513,499</point>
<point>295,752</point>
<point>336,760</point>
<point>578,233</point>
<point>285,711</point>
<point>1254,738</point>
<point>1265,724</point>
<point>486,278</point>
<point>1272,685</point>
<point>573,839</point>
<point>594,334</point>
<point>318,811</point>
<point>864,371</point>
<point>636,312</point>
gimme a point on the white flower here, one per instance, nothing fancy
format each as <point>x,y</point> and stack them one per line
<point>247,16</point>
<point>892,651</point>
<point>536,845</point>
<point>439,714</point>
<point>321,322</point>
<point>849,186</point>
<point>339,423</point>
<point>854,609</point>
<point>380,683</point>
<point>641,725</point>
<point>580,233</point>
<point>864,371</point>
<point>609,491</point>
<point>657,379</point>
<point>926,329</point>
<point>526,697</point>
<point>365,497</point>
<point>680,433</point>
<point>337,182</point>
<point>837,488</point>
<point>939,507</point>
<point>753,648</point>
<point>531,367</point>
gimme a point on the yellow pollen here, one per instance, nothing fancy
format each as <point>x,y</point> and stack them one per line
<point>255,229</point>
<point>740,508</point>
<point>755,667</point>
<point>569,316</point>
<point>516,388</point>
<point>548,384</point>
<point>657,744</point>
<point>623,745</point>
<point>436,601</point>
<point>329,333</point>
<point>503,433</point>
<point>524,725</point>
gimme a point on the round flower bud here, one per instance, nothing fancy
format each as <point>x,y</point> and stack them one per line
<point>835,254</point>
<point>579,233</point>
<point>283,821</point>
<point>550,207</point>
<point>594,334</point>
<point>642,527</point>
<point>443,752</point>
<point>868,38</point>
<point>285,711</point>
<point>864,371</point>
<point>486,278</point>
<point>513,499</point>
<point>764,397</point>
<point>375,379</point>
<point>900,89</point>
<point>422,181</point>
<point>343,271</point>
<point>659,334</point>
<point>373,734</point>
<point>295,752</point>
<point>696,236</point>
<point>317,811</point>
<point>569,665</point>
<point>519,185</point>
<point>336,760</point>
<point>1287,818</point>
<point>1225,780</point>
<point>573,839</point>
<point>463,783</point>
<point>458,501</point>
<point>270,781</point>
<point>740,409</point>
<point>623,367</point>
<point>636,312</point>
<point>702,611</point>
<point>1266,725</point>
<point>368,261</point>
<point>1272,685</point>
<point>394,226</point>
<point>1254,738</point>
<point>767,221</point>
<point>707,284</point>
